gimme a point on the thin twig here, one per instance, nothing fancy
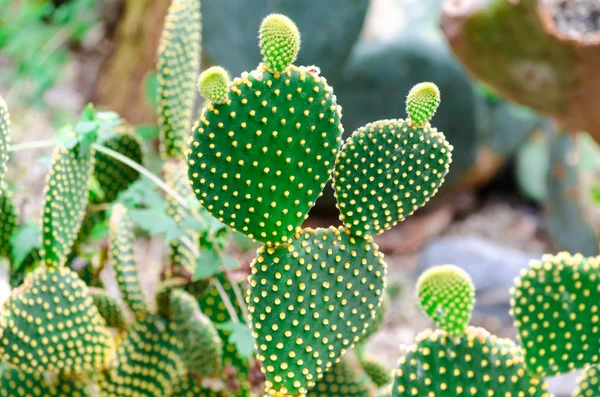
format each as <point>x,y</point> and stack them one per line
<point>226,301</point>
<point>33,145</point>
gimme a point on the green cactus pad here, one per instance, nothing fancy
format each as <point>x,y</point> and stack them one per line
<point>344,379</point>
<point>212,84</point>
<point>555,308</point>
<point>259,161</point>
<point>149,362</point>
<point>4,140</point>
<point>9,218</point>
<point>122,260</point>
<point>66,198</point>
<point>378,372</point>
<point>386,171</point>
<point>309,303</point>
<point>203,353</point>
<point>588,383</point>
<point>279,42</point>
<point>422,103</point>
<point>53,325</point>
<point>112,175</point>
<point>15,383</point>
<point>447,295</point>
<point>181,256</point>
<point>477,364</point>
<point>178,68</point>
<point>190,386</point>
<point>378,320</point>
<point>109,308</point>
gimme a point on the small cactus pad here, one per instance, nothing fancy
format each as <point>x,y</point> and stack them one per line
<point>191,386</point>
<point>109,308</point>
<point>212,84</point>
<point>178,68</point>
<point>378,372</point>
<point>344,379</point>
<point>122,260</point>
<point>386,170</point>
<point>181,256</point>
<point>555,308</point>
<point>259,161</point>
<point>588,383</point>
<point>66,198</point>
<point>149,361</point>
<point>53,325</point>
<point>4,140</point>
<point>203,352</point>
<point>422,103</point>
<point>112,175</point>
<point>447,295</point>
<point>9,217</point>
<point>477,364</point>
<point>309,303</point>
<point>279,42</point>
<point>15,383</point>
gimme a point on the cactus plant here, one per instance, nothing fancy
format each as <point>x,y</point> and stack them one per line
<point>4,140</point>
<point>588,383</point>
<point>345,379</point>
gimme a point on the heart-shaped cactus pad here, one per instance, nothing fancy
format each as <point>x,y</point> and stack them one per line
<point>258,161</point>
<point>555,305</point>
<point>310,302</point>
<point>386,171</point>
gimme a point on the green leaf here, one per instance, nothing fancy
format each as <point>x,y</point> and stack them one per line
<point>27,238</point>
<point>156,221</point>
<point>99,231</point>
<point>151,89</point>
<point>230,262</point>
<point>208,265</point>
<point>147,131</point>
<point>240,336</point>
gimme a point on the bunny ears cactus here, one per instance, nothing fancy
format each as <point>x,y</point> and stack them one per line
<point>422,102</point>
<point>259,157</point>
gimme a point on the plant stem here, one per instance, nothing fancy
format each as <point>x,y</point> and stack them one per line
<point>227,301</point>
<point>238,293</point>
<point>32,145</point>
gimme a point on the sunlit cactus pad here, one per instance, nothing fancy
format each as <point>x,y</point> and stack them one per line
<point>588,383</point>
<point>555,308</point>
<point>344,379</point>
<point>112,175</point>
<point>191,386</point>
<point>477,364</point>
<point>15,383</point>
<point>178,67</point>
<point>53,325</point>
<point>259,161</point>
<point>386,170</point>
<point>309,303</point>
<point>8,221</point>
<point>148,358</point>
<point>66,198</point>
<point>447,295</point>
<point>4,140</point>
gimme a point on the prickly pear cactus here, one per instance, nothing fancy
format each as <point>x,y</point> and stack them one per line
<point>4,140</point>
<point>555,306</point>
<point>588,383</point>
<point>178,68</point>
<point>250,164</point>
<point>378,372</point>
<point>66,199</point>
<point>9,218</point>
<point>109,308</point>
<point>447,295</point>
<point>15,383</point>
<point>303,304</point>
<point>477,364</point>
<point>406,165</point>
<point>344,379</point>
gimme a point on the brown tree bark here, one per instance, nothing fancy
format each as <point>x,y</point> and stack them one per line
<point>120,83</point>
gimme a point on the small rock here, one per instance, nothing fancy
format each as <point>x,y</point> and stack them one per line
<point>493,268</point>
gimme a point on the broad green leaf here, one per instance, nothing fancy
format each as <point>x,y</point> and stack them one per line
<point>240,336</point>
<point>27,238</point>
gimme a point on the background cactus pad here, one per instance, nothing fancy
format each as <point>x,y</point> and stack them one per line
<point>4,139</point>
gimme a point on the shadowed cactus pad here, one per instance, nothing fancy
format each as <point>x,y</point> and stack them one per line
<point>178,67</point>
<point>309,303</point>
<point>212,84</point>
<point>203,353</point>
<point>4,140</point>
<point>259,161</point>
<point>279,42</point>
<point>386,171</point>
<point>8,221</point>
<point>555,308</point>
<point>53,325</point>
<point>109,308</point>
<point>422,103</point>
<point>15,383</point>
<point>344,379</point>
<point>66,198</point>
<point>447,295</point>
<point>478,364</point>
<point>588,383</point>
<point>122,260</point>
<point>379,373</point>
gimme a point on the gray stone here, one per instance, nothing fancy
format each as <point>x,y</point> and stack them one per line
<point>493,268</point>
